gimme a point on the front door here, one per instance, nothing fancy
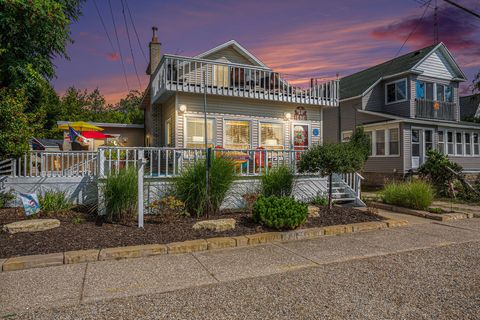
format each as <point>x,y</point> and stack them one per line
<point>301,139</point>
<point>422,141</point>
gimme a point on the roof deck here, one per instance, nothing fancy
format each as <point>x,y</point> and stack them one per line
<point>194,75</point>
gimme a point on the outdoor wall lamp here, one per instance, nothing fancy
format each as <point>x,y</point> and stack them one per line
<point>183,108</point>
<point>287,115</point>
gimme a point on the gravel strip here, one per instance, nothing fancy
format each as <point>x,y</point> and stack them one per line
<point>436,283</point>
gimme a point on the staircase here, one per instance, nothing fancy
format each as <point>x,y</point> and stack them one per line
<point>346,188</point>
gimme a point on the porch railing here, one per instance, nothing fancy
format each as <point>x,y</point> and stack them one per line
<point>185,74</point>
<point>440,110</point>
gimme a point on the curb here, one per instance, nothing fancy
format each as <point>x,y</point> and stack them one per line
<point>117,253</point>
<point>423,214</point>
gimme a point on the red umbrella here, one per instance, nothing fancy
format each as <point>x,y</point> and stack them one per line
<point>95,135</point>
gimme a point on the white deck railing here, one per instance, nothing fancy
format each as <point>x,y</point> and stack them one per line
<point>185,74</point>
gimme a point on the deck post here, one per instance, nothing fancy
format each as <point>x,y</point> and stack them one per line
<point>141,165</point>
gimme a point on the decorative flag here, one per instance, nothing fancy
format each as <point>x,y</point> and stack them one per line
<point>30,203</point>
<point>77,137</point>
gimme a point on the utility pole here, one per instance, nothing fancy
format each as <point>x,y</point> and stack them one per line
<point>435,24</point>
<point>207,149</point>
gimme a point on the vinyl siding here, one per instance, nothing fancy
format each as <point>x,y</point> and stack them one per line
<point>386,164</point>
<point>230,54</point>
<point>256,111</point>
<point>436,66</point>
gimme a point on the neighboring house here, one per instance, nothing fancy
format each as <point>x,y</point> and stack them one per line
<point>407,105</point>
<point>248,105</point>
<point>46,144</point>
<point>470,106</point>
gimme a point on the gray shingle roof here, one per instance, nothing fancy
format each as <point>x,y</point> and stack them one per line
<point>356,84</point>
<point>469,105</point>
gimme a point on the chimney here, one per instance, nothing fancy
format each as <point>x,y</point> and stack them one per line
<point>155,54</point>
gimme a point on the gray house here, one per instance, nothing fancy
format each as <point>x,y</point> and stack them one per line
<point>470,106</point>
<point>407,105</point>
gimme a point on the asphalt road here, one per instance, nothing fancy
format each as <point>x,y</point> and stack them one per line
<point>441,281</point>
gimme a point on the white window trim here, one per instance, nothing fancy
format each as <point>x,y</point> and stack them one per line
<point>444,151</point>
<point>271,122</point>
<point>387,142</point>
<point>476,144</point>
<point>237,119</point>
<point>292,125</point>
<point>463,143</point>
<point>406,91</point>
<point>185,130</point>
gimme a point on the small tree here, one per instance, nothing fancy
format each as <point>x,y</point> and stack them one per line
<point>438,169</point>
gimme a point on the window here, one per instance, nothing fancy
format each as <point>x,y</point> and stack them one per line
<point>380,142</point>
<point>415,142</point>
<point>459,143</point>
<point>450,145</point>
<point>237,134</point>
<point>429,91</point>
<point>396,91</point>
<point>196,133</point>
<point>420,89</point>
<point>220,75</point>
<point>440,92</point>
<point>449,93</point>
<point>441,142</point>
<point>468,144</point>
<point>346,136</point>
<point>271,135</point>
<point>428,140</point>
<point>369,135</point>
<point>393,141</point>
<point>476,146</point>
<point>168,132</point>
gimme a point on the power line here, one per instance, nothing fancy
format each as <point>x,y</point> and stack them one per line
<point>136,33</point>
<point>118,44</point>
<point>130,45</point>
<point>463,8</point>
<point>103,25</point>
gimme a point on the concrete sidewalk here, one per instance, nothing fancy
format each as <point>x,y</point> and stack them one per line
<point>83,283</point>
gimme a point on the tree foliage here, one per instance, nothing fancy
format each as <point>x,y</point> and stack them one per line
<point>15,129</point>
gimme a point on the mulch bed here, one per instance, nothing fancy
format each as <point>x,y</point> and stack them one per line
<point>75,235</point>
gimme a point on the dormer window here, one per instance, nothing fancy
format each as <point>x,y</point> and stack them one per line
<point>396,91</point>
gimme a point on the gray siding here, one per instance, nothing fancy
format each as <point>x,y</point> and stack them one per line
<point>374,100</point>
<point>436,66</point>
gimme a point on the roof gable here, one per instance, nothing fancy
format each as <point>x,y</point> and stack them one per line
<point>440,64</point>
<point>233,52</point>
<point>357,84</point>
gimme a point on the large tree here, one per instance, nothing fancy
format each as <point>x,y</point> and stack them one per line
<point>32,34</point>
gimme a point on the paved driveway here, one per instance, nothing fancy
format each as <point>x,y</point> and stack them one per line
<point>426,271</point>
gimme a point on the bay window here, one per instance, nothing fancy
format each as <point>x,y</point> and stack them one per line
<point>396,91</point>
<point>441,142</point>
<point>237,134</point>
<point>468,144</point>
<point>271,135</point>
<point>195,132</point>
<point>450,146</point>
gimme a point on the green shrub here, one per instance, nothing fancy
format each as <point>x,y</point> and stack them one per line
<point>277,182</point>
<point>190,186</point>
<point>5,198</point>
<point>416,194</point>
<point>120,192</point>
<point>54,201</point>
<point>320,201</point>
<point>279,212</point>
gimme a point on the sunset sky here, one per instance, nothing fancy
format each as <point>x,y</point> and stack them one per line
<point>300,38</point>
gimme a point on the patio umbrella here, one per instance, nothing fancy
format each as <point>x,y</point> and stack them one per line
<point>95,135</point>
<point>80,126</point>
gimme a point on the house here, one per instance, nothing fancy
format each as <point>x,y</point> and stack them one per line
<point>470,107</point>
<point>247,104</point>
<point>121,134</point>
<point>407,105</point>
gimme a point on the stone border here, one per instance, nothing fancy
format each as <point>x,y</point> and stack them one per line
<point>117,253</point>
<point>423,214</point>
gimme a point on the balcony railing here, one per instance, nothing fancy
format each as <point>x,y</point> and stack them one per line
<point>177,73</point>
<point>439,110</point>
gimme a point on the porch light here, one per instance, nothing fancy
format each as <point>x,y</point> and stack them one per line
<point>287,115</point>
<point>183,108</point>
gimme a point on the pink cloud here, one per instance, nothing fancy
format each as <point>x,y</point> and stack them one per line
<point>113,56</point>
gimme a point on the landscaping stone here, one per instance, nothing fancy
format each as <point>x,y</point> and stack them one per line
<point>241,241</point>
<point>313,211</point>
<point>215,225</point>
<point>365,226</point>
<point>187,246</point>
<point>80,256</point>
<point>334,230</point>
<point>36,261</point>
<point>393,223</point>
<point>266,237</point>
<point>132,252</point>
<point>1,263</point>
<point>31,225</point>
<point>310,233</point>
<point>220,243</point>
